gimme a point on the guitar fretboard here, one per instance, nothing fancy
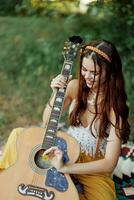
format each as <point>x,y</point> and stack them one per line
<point>52,126</point>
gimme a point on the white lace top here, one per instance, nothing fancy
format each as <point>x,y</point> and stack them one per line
<point>85,138</point>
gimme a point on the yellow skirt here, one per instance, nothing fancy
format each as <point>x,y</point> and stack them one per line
<point>95,187</point>
<point>9,156</point>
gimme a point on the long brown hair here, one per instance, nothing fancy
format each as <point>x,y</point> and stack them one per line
<point>113,90</point>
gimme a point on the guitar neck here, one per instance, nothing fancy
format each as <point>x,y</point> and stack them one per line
<point>51,130</point>
<point>70,52</point>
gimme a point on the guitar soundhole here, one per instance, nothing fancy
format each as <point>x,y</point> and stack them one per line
<point>42,161</point>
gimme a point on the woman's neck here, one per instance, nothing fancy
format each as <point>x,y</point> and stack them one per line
<point>93,93</point>
<point>91,99</point>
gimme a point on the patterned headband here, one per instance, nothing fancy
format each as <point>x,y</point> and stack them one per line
<point>98,51</point>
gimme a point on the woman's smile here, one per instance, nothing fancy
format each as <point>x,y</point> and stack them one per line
<point>88,82</point>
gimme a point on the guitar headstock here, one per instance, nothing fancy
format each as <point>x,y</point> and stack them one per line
<point>71,47</point>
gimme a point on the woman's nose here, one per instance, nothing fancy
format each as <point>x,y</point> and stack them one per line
<point>88,75</point>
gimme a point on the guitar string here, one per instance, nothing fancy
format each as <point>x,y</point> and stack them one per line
<point>35,179</point>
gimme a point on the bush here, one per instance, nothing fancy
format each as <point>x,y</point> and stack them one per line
<point>31,55</point>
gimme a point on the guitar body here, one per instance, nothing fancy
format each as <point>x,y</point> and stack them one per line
<point>26,180</point>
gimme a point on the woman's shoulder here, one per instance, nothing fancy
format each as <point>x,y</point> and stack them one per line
<point>72,88</point>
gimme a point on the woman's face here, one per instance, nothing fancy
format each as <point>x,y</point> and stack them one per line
<point>91,75</point>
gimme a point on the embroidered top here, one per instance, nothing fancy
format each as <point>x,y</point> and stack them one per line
<point>85,138</point>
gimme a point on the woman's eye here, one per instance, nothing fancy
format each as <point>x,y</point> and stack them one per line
<point>95,73</point>
<point>84,69</point>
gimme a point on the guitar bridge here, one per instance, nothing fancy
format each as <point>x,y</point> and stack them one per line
<point>31,190</point>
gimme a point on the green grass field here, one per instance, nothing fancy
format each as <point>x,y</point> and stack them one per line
<point>31,56</point>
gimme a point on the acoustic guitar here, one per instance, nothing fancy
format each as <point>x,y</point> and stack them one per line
<point>32,177</point>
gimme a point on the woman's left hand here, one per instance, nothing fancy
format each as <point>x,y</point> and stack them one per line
<point>55,157</point>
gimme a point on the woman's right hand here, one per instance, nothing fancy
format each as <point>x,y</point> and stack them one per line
<point>59,82</point>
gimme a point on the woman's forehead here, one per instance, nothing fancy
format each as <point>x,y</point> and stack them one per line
<point>88,63</point>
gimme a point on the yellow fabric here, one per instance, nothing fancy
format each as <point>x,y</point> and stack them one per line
<point>9,155</point>
<point>96,187</point>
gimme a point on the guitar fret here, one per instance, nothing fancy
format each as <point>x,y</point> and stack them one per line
<point>66,72</point>
<point>53,123</point>
<point>48,141</point>
<point>53,120</point>
<point>60,94</point>
<point>57,109</point>
<point>47,145</point>
<point>57,104</point>
<point>62,90</point>
<point>56,112</point>
<point>59,100</point>
<point>49,136</point>
<point>55,115</point>
<point>67,66</point>
<point>51,126</point>
<point>51,131</point>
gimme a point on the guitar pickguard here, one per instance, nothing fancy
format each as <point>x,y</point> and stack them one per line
<point>62,145</point>
<point>54,178</point>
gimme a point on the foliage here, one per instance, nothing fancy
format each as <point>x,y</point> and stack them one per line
<point>37,7</point>
<point>55,7</point>
<point>31,55</point>
<point>7,6</point>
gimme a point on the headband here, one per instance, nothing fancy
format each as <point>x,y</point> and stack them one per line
<point>98,51</point>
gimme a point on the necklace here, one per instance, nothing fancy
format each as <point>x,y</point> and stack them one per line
<point>91,101</point>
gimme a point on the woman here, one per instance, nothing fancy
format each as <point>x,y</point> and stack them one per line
<point>98,118</point>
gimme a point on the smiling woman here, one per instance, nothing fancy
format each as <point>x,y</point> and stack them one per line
<point>98,119</point>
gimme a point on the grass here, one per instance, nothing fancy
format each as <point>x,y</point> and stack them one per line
<point>31,56</point>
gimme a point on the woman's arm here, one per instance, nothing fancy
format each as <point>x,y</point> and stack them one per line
<point>105,165</point>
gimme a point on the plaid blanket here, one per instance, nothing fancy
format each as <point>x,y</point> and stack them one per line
<point>123,174</point>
